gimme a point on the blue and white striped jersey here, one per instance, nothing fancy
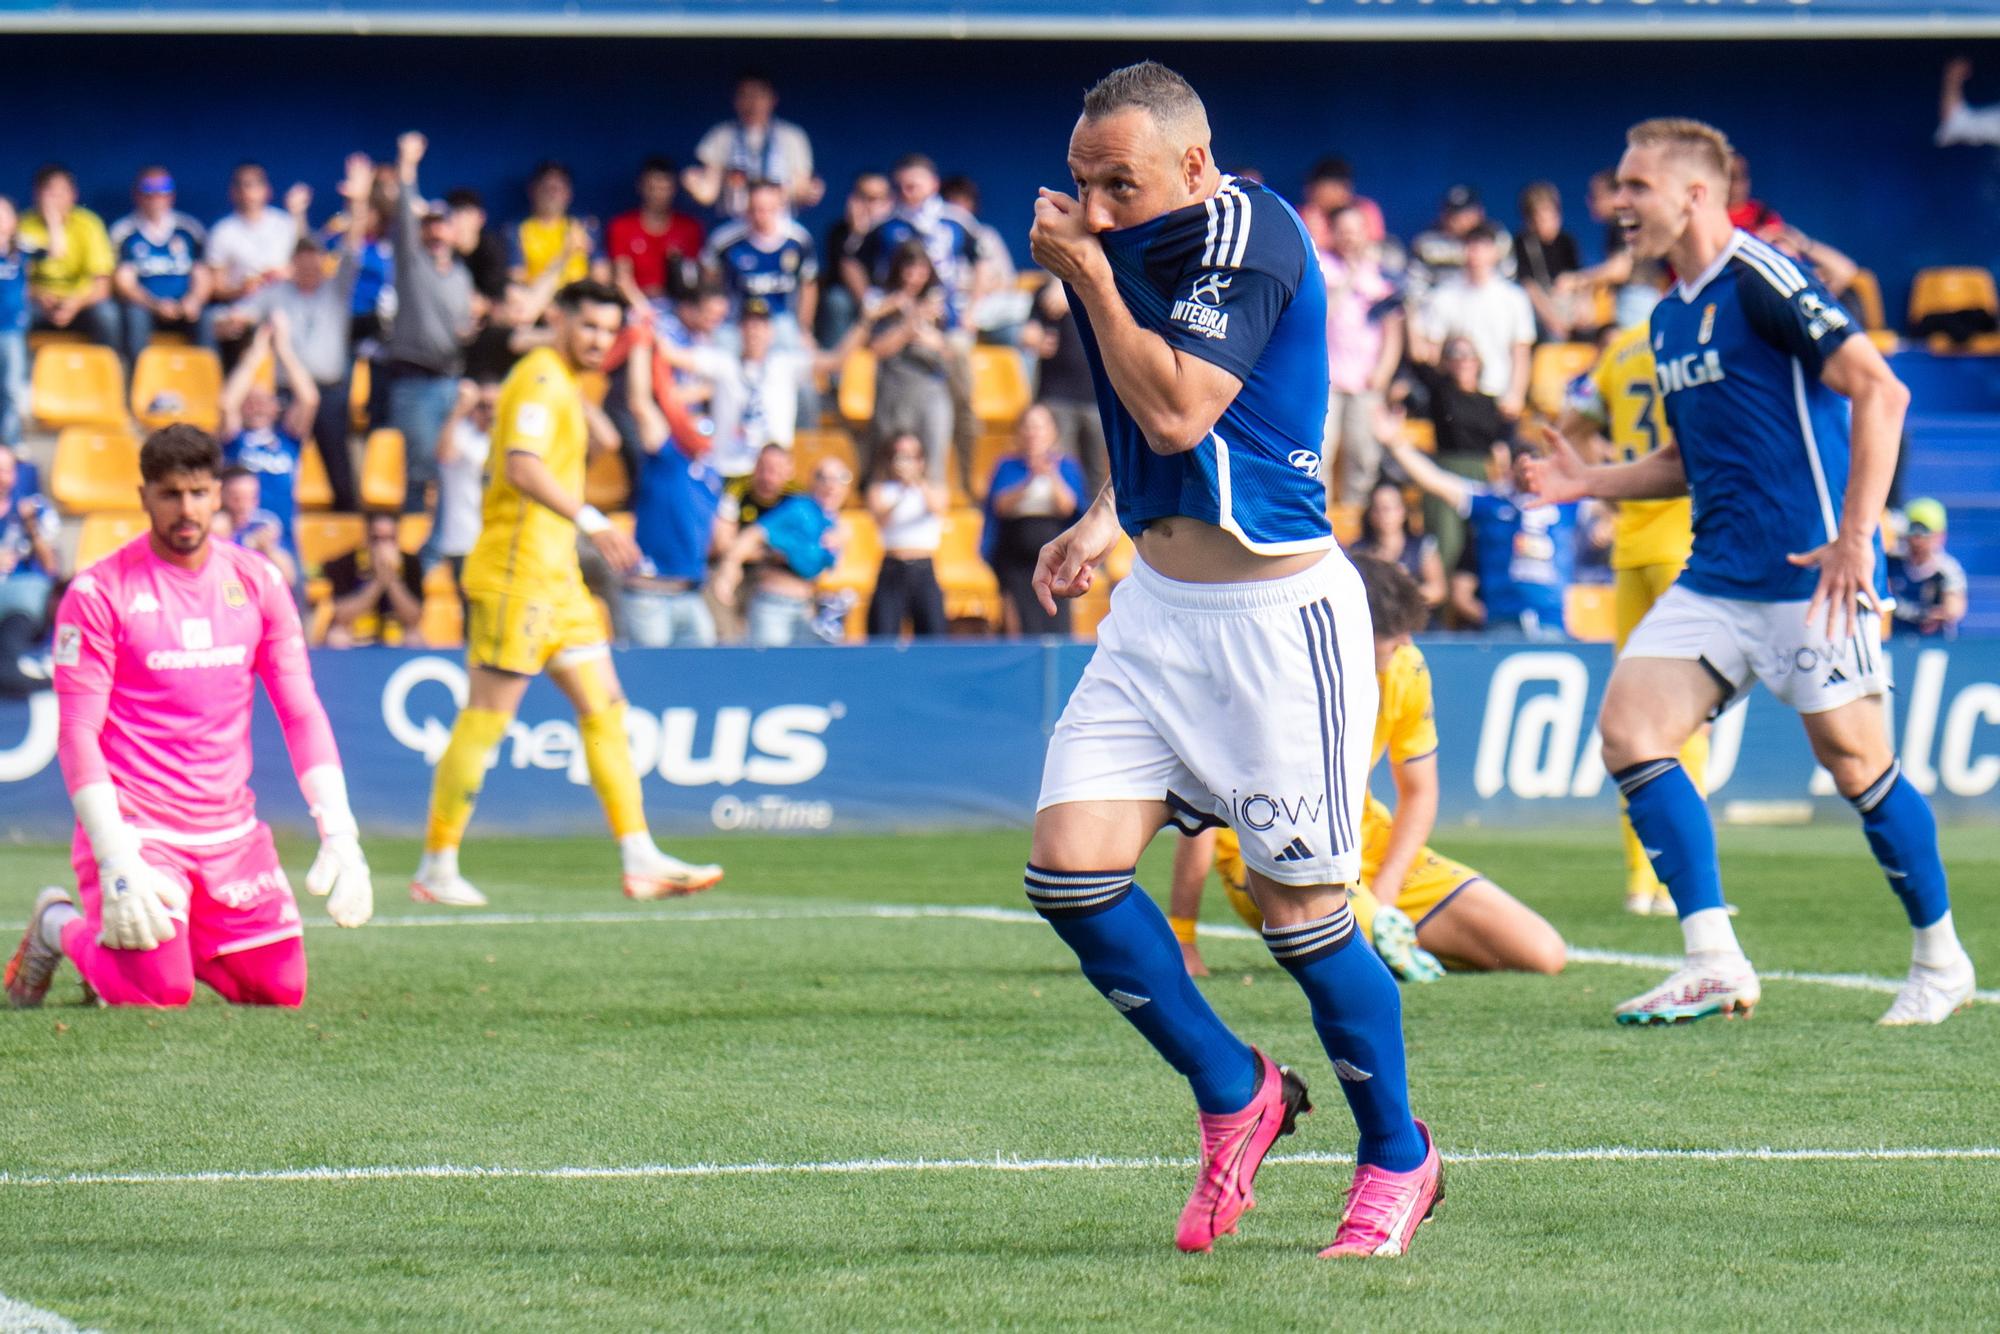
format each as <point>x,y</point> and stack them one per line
<point>1737,353</point>
<point>772,269</point>
<point>1233,281</point>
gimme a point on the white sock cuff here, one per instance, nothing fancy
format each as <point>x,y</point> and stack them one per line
<point>1709,932</point>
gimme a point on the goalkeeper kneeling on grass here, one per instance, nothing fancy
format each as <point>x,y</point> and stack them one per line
<point>1416,907</point>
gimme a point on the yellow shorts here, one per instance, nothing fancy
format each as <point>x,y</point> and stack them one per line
<point>1431,882</point>
<point>1633,593</point>
<point>520,630</point>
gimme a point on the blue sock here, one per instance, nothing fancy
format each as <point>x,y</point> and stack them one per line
<point>1903,833</point>
<point>1359,1018</point>
<point>1671,819</point>
<point>1129,953</point>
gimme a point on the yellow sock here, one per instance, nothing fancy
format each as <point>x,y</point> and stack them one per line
<point>1363,901</point>
<point>461,770</point>
<point>1184,929</point>
<point>609,759</point>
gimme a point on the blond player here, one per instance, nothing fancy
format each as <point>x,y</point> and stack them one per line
<point>1460,916</point>
<point>530,613</point>
<point>1616,416</point>
<point>157,647</point>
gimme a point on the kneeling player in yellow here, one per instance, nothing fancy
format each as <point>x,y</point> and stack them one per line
<point>530,612</point>
<point>1460,916</point>
<point>1649,545</point>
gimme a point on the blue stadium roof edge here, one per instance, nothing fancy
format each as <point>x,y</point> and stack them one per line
<point>1243,20</point>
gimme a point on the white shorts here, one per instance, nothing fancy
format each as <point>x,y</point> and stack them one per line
<point>1250,705</point>
<point>1739,642</point>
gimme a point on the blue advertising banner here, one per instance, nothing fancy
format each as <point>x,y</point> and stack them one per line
<point>1202,19</point>
<point>951,737</point>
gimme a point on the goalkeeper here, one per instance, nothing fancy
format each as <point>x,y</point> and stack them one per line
<point>156,647</point>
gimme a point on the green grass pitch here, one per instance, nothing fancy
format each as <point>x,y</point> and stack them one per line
<point>773,1024</point>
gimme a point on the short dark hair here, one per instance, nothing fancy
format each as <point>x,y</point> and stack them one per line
<point>1482,231</point>
<point>47,172</point>
<point>236,472</point>
<point>369,518</point>
<point>549,167</point>
<point>588,292</point>
<point>744,76</point>
<point>248,165</point>
<point>1331,169</point>
<point>1151,87</point>
<point>179,448</point>
<point>464,196</point>
<point>964,186</point>
<point>1395,603</point>
<point>658,162</point>
<point>909,160</point>
<point>765,183</point>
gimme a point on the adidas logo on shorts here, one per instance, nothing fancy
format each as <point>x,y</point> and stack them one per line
<point>1296,851</point>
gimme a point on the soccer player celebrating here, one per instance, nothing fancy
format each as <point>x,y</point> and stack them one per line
<point>1754,359</point>
<point>1649,543</point>
<point>155,649</point>
<point>530,612</point>
<point>1231,682</point>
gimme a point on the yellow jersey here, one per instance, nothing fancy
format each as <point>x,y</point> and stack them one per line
<point>1625,402</point>
<point>1405,724</point>
<point>87,254</point>
<point>525,546</point>
<point>539,243</point>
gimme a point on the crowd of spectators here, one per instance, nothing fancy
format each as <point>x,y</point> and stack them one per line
<point>741,322</point>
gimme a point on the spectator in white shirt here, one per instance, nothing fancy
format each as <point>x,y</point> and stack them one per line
<point>463,446</point>
<point>253,245</point>
<point>1959,122</point>
<point>1490,312</point>
<point>753,146</point>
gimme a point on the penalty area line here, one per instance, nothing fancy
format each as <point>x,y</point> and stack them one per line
<point>998,1163</point>
<point>19,1317</point>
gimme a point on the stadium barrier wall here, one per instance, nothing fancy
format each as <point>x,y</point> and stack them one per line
<point>952,736</point>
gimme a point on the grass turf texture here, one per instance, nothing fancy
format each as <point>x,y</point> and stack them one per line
<point>652,1042</point>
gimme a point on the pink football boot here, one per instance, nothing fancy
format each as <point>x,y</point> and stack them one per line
<point>1232,1149</point>
<point>1384,1207</point>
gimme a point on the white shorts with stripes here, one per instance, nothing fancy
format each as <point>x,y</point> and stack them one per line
<point>1740,642</point>
<point>1250,705</point>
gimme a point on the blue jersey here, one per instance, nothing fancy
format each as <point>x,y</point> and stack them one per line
<point>13,290</point>
<point>947,233</point>
<point>163,262</point>
<point>1525,558</point>
<point>1233,281</point>
<point>674,506</point>
<point>1737,354</point>
<point>795,530</point>
<point>274,457</point>
<point>771,269</point>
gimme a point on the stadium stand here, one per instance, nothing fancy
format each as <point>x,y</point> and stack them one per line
<point>177,384</point>
<point>312,490</point>
<point>382,470</point>
<point>95,468</point>
<point>77,384</point>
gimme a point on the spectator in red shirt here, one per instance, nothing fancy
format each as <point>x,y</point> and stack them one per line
<point>641,242</point>
<point>1752,215</point>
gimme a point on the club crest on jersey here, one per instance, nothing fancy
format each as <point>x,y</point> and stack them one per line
<point>234,597</point>
<point>1696,368</point>
<point>1201,312</point>
<point>1707,325</point>
<point>69,645</point>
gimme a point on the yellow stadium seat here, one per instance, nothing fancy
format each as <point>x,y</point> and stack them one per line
<point>382,470</point>
<point>970,588</point>
<point>1864,296</point>
<point>1885,340</point>
<point>1549,374</point>
<point>95,468</point>
<point>1590,612</point>
<point>412,531</point>
<point>987,451</point>
<point>1421,434</point>
<point>78,384</point>
<point>177,384</point>
<point>605,483</point>
<point>1118,560</point>
<point>1088,612</point>
<point>1346,517</point>
<point>324,536</point>
<point>1943,291</point>
<point>357,396</point>
<point>999,384</point>
<point>810,447</point>
<point>104,532</point>
<point>41,338</point>
<point>857,386</point>
<point>860,561</point>
<point>312,490</point>
<point>443,621</point>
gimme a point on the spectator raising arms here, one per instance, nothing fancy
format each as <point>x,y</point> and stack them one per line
<point>69,283</point>
<point>909,508</point>
<point>677,499</point>
<point>14,306</point>
<point>422,356</point>
<point>258,438</point>
<point>754,145</point>
<point>1033,495</point>
<point>160,280</point>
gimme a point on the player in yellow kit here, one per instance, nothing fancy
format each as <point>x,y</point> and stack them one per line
<point>529,611</point>
<point>1615,416</point>
<point>1460,915</point>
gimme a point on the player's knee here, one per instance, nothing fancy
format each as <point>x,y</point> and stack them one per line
<point>279,981</point>
<point>1056,893</point>
<point>1544,952</point>
<point>145,989</point>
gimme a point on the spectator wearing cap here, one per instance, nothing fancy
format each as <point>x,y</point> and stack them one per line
<point>643,242</point>
<point>14,308</point>
<point>29,528</point>
<point>767,257</point>
<point>752,145</point>
<point>1515,574</point>
<point>423,354</point>
<point>1480,305</point>
<point>69,280</point>
<point>543,238</point>
<point>1543,253</point>
<point>253,245</point>
<point>1364,345</point>
<point>1438,253</point>
<point>1927,581</point>
<point>160,280</point>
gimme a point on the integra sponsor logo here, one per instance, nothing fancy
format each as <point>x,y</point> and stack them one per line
<point>1202,311</point>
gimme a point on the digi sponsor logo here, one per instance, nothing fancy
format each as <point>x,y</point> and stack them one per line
<point>1689,372</point>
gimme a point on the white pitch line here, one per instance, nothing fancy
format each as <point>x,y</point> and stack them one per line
<point>998,1163</point>
<point>19,1317</point>
<point>1888,986</point>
